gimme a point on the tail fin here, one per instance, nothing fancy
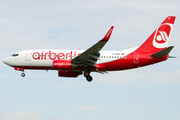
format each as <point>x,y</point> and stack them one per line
<point>159,38</point>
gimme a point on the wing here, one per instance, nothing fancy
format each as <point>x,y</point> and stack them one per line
<point>90,56</point>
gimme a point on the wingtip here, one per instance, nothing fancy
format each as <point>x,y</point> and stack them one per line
<point>108,35</point>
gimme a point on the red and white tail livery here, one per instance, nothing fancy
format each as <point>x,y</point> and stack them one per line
<point>160,37</point>
<point>72,63</point>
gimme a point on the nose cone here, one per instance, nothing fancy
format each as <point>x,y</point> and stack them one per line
<point>6,61</point>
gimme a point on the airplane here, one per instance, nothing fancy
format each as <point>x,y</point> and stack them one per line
<point>72,63</point>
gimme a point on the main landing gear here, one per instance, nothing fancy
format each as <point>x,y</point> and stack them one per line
<point>87,75</point>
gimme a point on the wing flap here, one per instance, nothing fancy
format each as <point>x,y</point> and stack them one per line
<point>102,72</point>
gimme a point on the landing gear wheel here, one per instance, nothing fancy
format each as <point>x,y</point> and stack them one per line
<point>86,74</point>
<point>23,74</point>
<point>89,78</point>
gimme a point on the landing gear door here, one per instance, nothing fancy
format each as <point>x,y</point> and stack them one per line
<point>27,56</point>
<point>136,58</point>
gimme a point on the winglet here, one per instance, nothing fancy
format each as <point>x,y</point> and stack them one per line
<point>108,35</point>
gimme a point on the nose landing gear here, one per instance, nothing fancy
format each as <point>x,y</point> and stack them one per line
<point>87,75</point>
<point>23,74</point>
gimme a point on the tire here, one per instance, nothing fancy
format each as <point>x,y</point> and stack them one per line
<point>89,78</point>
<point>23,74</point>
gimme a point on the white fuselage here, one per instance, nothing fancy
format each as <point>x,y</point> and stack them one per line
<point>45,57</point>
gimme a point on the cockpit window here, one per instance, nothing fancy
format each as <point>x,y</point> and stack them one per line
<point>14,55</point>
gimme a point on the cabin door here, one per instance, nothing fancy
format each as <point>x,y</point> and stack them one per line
<point>136,58</point>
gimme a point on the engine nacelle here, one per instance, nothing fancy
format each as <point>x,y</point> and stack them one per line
<point>67,73</point>
<point>63,65</point>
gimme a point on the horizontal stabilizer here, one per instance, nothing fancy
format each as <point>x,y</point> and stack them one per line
<point>163,53</point>
<point>172,57</point>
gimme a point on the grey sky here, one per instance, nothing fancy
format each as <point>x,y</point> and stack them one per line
<point>147,93</point>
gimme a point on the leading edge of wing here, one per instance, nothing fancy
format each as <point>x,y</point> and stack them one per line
<point>93,51</point>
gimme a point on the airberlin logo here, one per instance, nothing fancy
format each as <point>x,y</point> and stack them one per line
<point>162,35</point>
<point>53,56</point>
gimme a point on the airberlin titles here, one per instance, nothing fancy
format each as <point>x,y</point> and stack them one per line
<point>52,55</point>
